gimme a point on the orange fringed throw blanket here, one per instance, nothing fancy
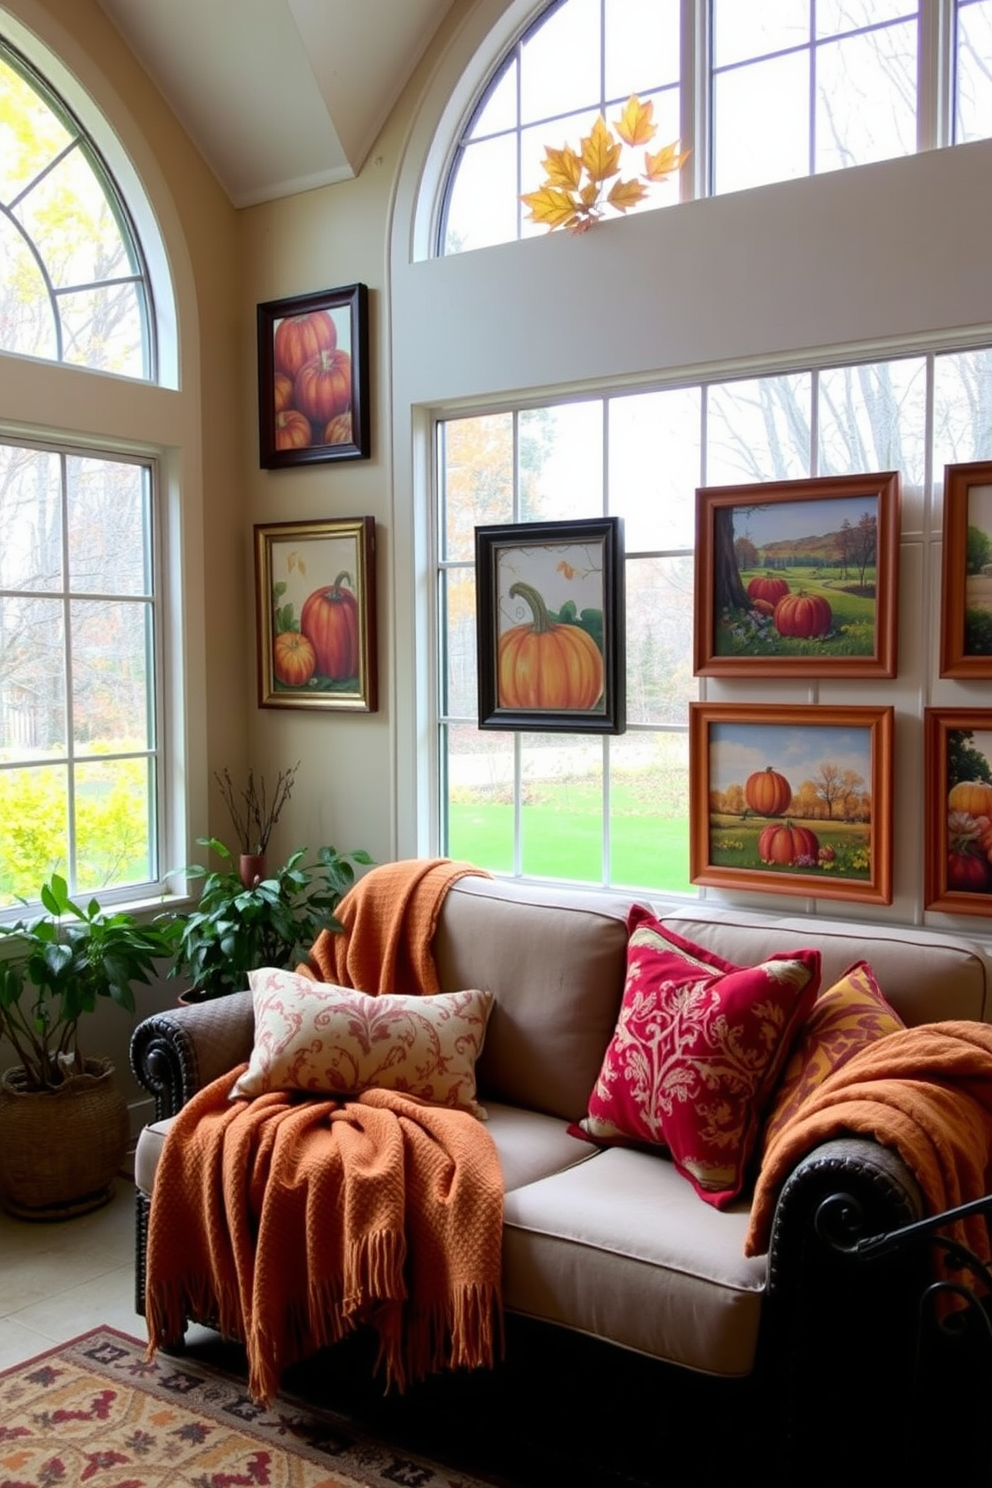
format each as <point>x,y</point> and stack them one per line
<point>291,1221</point>
<point>389,919</point>
<point>925,1091</point>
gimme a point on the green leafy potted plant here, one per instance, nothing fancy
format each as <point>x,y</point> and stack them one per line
<point>246,915</point>
<point>63,1121</point>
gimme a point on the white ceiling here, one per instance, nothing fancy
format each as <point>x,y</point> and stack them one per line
<point>279,95</point>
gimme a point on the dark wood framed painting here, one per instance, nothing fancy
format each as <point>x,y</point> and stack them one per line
<point>550,626</point>
<point>313,378</point>
<point>966,590</point>
<point>792,799</point>
<point>957,755</point>
<point>798,578</point>
<point>315,614</point>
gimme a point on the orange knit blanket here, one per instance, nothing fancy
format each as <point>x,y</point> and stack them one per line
<point>290,1221</point>
<point>389,919</point>
<point>925,1091</point>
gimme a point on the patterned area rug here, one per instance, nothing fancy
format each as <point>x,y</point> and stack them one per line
<point>97,1411</point>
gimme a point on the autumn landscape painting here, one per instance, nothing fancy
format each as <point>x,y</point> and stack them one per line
<point>787,799</point>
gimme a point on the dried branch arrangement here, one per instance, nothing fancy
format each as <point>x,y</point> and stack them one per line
<point>252,813</point>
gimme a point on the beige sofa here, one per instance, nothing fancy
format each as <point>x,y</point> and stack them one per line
<point>615,1243</point>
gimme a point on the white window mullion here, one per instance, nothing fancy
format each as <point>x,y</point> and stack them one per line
<point>935,79</point>
<point>695,98</point>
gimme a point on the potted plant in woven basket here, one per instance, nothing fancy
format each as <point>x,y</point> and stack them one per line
<point>63,1121</point>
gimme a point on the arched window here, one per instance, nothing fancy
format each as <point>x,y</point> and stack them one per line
<point>83,740</point>
<point>755,94</point>
<point>73,285</point>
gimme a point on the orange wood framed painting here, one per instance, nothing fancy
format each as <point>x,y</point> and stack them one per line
<point>957,755</point>
<point>315,614</point>
<point>966,594</point>
<point>313,378</point>
<point>798,578</point>
<point>550,626</point>
<point>792,799</point>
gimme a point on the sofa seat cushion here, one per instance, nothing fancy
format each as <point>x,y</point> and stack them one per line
<point>622,1249</point>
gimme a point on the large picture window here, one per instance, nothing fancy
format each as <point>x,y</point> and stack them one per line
<point>78,710</point>
<point>614,811</point>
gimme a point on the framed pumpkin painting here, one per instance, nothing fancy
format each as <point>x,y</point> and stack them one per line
<point>798,578</point>
<point>792,799</point>
<point>315,615</point>
<point>957,764</point>
<point>313,378</point>
<point>966,594</point>
<point>550,626</point>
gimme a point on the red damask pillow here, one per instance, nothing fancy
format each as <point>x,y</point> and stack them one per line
<point>697,1050</point>
<point>844,1019</point>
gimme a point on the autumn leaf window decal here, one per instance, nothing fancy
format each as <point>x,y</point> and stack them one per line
<point>574,192</point>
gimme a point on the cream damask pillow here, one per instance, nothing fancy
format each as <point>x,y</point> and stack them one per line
<point>329,1040</point>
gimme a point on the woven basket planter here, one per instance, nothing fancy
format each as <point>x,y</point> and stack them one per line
<point>61,1149</point>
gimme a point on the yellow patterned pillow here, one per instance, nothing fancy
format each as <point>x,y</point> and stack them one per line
<point>849,1015</point>
<point>329,1040</point>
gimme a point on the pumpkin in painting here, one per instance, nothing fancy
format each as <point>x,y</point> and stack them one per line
<point>968,873</point>
<point>972,796</point>
<point>544,664</point>
<point>294,660</point>
<point>768,588</point>
<point>783,843</point>
<point>338,430</point>
<point>329,620</point>
<point>763,607</point>
<point>282,389</point>
<point>292,430</point>
<point>767,792</point>
<point>323,387</point>
<point>300,337</point>
<point>806,616</point>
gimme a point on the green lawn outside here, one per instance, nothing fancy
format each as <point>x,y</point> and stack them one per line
<point>648,851</point>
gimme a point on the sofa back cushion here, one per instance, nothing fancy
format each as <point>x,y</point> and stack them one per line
<point>555,960</point>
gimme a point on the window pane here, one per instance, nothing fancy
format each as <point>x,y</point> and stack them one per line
<point>642,46</point>
<point>30,134</point>
<point>113,805</point>
<point>102,328</point>
<point>659,640</point>
<point>499,111</point>
<point>480,812</point>
<point>477,479</point>
<point>874,418</point>
<point>561,462</point>
<point>744,31</point>
<point>866,98</point>
<point>750,145</point>
<point>30,519</point>
<point>33,829</point>
<point>108,515</point>
<point>649,812</point>
<point>962,408</point>
<point>27,313</point>
<point>32,677</point>
<point>561,825</point>
<point>973,94</point>
<point>482,207</point>
<point>111,666</point>
<point>654,467</point>
<point>759,431</point>
<point>458,618</point>
<point>833,17</point>
<point>559,62</point>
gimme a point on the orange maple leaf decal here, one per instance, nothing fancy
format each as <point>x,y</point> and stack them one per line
<point>626,194</point>
<point>566,569</point>
<point>663,161</point>
<point>635,126</point>
<point>551,205</point>
<point>562,167</point>
<point>601,151</point>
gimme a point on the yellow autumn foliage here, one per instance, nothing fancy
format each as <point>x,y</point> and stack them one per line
<point>573,193</point>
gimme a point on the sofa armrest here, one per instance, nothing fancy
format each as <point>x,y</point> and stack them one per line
<point>175,1054</point>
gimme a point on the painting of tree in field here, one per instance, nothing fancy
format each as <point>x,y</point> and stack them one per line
<point>978,573</point>
<point>796,578</point>
<point>788,800</point>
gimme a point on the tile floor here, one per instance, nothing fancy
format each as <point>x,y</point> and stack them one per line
<point>57,1280</point>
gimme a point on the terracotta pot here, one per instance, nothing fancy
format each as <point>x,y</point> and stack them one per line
<point>60,1150</point>
<point>251,869</point>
